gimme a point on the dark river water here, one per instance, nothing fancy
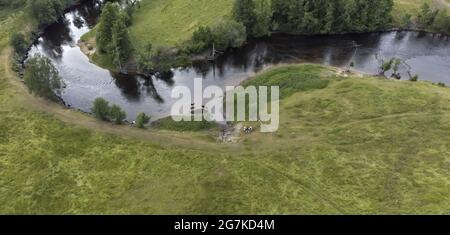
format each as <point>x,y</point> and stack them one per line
<point>427,55</point>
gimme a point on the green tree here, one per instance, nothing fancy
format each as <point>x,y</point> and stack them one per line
<point>19,43</point>
<point>245,13</point>
<point>163,59</point>
<point>144,60</point>
<point>42,78</point>
<point>442,22</point>
<point>264,15</point>
<point>101,109</point>
<point>202,39</point>
<point>109,15</point>
<point>426,16</point>
<point>229,34</point>
<point>142,120</point>
<point>121,45</point>
<point>117,114</point>
<point>46,11</point>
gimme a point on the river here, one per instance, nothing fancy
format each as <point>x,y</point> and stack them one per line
<point>427,55</point>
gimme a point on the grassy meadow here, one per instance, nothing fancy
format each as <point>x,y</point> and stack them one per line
<point>346,145</point>
<point>168,23</point>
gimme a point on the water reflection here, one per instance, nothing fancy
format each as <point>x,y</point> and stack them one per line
<point>427,55</point>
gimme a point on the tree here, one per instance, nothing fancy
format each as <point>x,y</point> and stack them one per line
<point>244,12</point>
<point>108,17</point>
<point>121,45</point>
<point>229,34</point>
<point>19,43</point>
<point>163,59</point>
<point>202,39</point>
<point>426,16</point>
<point>117,115</point>
<point>264,15</point>
<point>442,22</point>
<point>101,109</point>
<point>46,11</point>
<point>142,120</point>
<point>144,60</point>
<point>42,78</point>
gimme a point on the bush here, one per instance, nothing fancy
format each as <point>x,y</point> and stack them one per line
<point>414,78</point>
<point>19,43</point>
<point>101,109</point>
<point>202,39</point>
<point>42,78</point>
<point>426,16</point>
<point>224,35</point>
<point>46,11</point>
<point>144,59</point>
<point>229,34</point>
<point>163,59</point>
<point>442,22</point>
<point>142,120</point>
<point>441,84</point>
<point>117,115</point>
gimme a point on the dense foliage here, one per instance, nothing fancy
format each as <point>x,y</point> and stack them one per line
<point>101,109</point>
<point>117,114</point>
<point>142,120</point>
<point>223,35</point>
<point>112,34</point>
<point>47,11</point>
<point>436,20</point>
<point>313,16</point>
<point>19,43</point>
<point>42,78</point>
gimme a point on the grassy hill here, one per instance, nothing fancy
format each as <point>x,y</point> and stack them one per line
<point>348,145</point>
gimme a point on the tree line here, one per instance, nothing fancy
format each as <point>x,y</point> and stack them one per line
<point>260,17</point>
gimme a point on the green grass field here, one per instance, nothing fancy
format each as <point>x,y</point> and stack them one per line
<point>356,145</point>
<point>168,23</point>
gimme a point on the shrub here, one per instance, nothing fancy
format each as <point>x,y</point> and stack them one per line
<point>229,34</point>
<point>101,109</point>
<point>163,59</point>
<point>224,35</point>
<point>441,84</point>
<point>202,39</point>
<point>414,78</point>
<point>19,43</point>
<point>144,59</point>
<point>46,11</point>
<point>117,115</point>
<point>142,120</point>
